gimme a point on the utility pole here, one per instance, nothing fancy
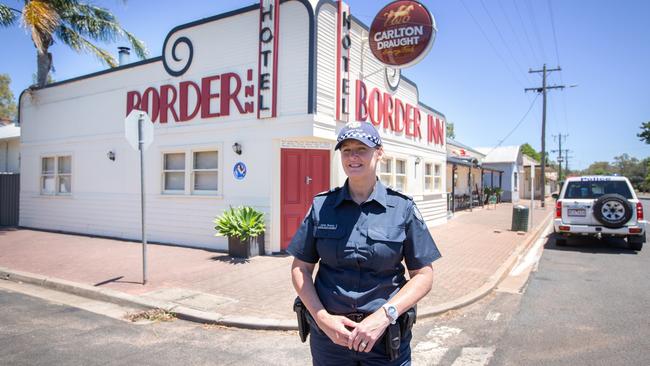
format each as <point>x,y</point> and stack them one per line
<point>559,158</point>
<point>566,159</point>
<point>542,90</point>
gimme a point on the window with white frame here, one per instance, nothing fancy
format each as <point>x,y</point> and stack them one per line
<point>437,177</point>
<point>205,172</point>
<point>428,177</point>
<point>191,172</point>
<point>386,171</point>
<point>400,175</point>
<point>174,172</point>
<point>56,175</point>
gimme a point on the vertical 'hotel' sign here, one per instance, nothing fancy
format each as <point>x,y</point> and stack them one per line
<point>343,44</point>
<point>268,59</point>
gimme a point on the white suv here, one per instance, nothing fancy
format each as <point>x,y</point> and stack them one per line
<point>599,206</point>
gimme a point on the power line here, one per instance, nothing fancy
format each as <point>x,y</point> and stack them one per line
<point>490,43</point>
<point>535,28</point>
<point>516,126</point>
<point>557,53</point>
<point>514,59</point>
<point>523,26</point>
<point>512,29</point>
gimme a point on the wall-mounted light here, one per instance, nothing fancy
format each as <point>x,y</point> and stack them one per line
<point>417,160</point>
<point>111,155</point>
<point>236,147</point>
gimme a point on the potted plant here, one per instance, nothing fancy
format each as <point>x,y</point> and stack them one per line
<point>498,191</point>
<point>244,227</point>
<point>487,192</point>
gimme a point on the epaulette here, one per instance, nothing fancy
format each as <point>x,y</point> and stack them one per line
<point>325,193</point>
<point>397,193</point>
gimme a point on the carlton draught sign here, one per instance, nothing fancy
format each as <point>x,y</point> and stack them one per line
<point>402,33</point>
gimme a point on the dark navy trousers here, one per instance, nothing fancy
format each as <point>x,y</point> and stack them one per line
<point>325,353</point>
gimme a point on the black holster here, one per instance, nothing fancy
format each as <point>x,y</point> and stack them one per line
<point>395,332</point>
<point>301,314</point>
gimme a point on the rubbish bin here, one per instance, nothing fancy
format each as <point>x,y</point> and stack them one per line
<point>519,218</point>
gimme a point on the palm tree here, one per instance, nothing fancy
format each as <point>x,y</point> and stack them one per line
<point>72,23</point>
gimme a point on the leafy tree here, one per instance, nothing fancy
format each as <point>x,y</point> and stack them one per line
<point>599,168</point>
<point>450,130</point>
<point>74,23</point>
<point>629,167</point>
<point>644,135</point>
<point>526,149</point>
<point>7,102</point>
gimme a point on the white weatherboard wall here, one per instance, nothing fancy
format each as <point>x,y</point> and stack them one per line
<point>84,119</point>
<point>432,205</point>
<point>10,155</point>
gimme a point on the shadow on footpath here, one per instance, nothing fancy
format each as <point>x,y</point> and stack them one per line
<point>230,260</point>
<point>590,245</point>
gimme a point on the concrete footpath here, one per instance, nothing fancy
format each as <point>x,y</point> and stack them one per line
<point>478,250</point>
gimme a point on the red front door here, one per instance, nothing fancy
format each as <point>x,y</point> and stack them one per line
<point>304,173</point>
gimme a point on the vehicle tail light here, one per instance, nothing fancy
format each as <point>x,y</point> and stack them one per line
<point>565,228</point>
<point>639,211</point>
<point>558,210</point>
<point>635,230</point>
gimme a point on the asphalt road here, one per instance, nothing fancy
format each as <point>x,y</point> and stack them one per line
<point>38,332</point>
<point>588,304</point>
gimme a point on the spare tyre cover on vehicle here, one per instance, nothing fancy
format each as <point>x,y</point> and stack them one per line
<point>612,210</point>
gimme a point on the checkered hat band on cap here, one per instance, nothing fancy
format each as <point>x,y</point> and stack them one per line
<point>357,134</point>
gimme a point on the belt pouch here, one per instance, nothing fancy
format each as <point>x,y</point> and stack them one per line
<point>393,341</point>
<point>301,314</point>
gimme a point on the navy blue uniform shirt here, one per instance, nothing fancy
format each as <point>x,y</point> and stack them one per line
<point>361,247</point>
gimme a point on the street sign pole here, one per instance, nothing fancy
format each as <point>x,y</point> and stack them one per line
<point>138,131</point>
<point>142,203</point>
<point>532,194</point>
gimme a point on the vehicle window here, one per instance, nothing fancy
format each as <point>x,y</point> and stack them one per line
<point>596,189</point>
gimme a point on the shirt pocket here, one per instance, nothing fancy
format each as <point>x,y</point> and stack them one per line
<point>386,243</point>
<point>327,242</point>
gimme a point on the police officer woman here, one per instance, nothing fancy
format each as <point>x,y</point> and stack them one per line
<point>359,234</point>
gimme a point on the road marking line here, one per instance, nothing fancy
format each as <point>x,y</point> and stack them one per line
<point>532,256</point>
<point>474,356</point>
<point>493,316</point>
<point>441,333</point>
<point>427,354</point>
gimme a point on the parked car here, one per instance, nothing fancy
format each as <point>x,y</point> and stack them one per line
<point>599,206</point>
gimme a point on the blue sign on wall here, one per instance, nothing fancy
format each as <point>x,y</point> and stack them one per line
<point>239,170</point>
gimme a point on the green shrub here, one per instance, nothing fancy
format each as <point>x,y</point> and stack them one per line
<point>242,222</point>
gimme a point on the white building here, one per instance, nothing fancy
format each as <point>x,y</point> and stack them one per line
<point>509,160</point>
<point>205,102</point>
<point>9,148</point>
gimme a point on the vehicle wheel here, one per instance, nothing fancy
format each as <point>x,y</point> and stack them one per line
<point>612,210</point>
<point>561,242</point>
<point>635,242</point>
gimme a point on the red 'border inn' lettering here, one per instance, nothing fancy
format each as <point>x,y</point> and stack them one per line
<point>174,101</point>
<point>395,115</point>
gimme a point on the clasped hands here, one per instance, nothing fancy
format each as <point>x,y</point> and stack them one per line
<point>360,337</point>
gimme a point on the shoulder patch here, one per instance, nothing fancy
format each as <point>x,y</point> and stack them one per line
<point>325,193</point>
<point>397,193</point>
<point>418,214</point>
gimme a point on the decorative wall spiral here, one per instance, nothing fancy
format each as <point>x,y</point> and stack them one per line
<point>176,69</point>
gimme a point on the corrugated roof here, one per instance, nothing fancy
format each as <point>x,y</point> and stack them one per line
<point>451,141</point>
<point>502,154</point>
<point>9,132</point>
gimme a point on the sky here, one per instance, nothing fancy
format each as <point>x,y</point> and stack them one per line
<point>475,73</point>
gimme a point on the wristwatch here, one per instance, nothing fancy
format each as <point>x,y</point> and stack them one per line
<point>391,312</point>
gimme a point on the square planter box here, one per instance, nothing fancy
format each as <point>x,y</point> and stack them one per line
<point>246,248</point>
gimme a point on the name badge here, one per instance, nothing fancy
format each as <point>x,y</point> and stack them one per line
<point>327,227</point>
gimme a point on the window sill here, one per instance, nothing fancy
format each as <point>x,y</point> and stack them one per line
<point>55,196</point>
<point>190,196</point>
